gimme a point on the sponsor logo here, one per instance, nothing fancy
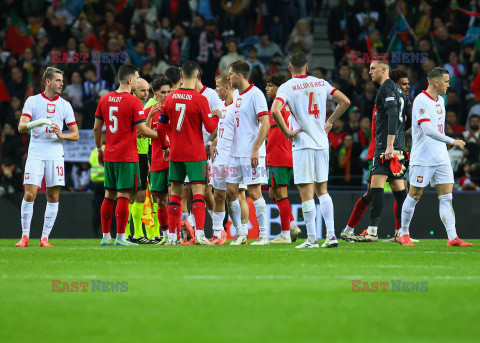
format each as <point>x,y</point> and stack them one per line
<point>422,111</point>
<point>51,108</point>
<point>49,117</point>
<point>420,179</point>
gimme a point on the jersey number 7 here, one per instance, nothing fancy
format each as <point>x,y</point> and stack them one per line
<point>180,108</point>
<point>312,106</point>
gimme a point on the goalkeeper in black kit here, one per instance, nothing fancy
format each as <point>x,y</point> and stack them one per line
<point>389,161</point>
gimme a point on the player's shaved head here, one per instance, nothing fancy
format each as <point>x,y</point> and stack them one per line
<point>190,70</point>
<point>436,73</point>
<point>142,90</point>
<point>126,72</point>
<point>298,62</point>
<point>223,79</point>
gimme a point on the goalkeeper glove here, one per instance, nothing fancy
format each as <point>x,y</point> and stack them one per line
<point>397,169</point>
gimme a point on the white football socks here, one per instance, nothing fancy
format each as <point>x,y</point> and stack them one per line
<point>326,207</point>
<point>261,213</point>
<point>217,219</point>
<point>408,209</point>
<point>50,215</point>
<point>236,214</point>
<point>120,236</point>
<point>348,229</point>
<point>26,217</point>
<point>285,234</point>
<point>309,215</point>
<point>372,230</point>
<point>107,236</point>
<point>447,215</point>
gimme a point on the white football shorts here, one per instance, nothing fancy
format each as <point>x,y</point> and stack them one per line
<point>421,176</point>
<point>35,170</point>
<point>240,171</point>
<point>310,166</point>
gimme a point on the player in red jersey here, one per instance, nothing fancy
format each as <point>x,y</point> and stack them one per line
<point>123,116</point>
<point>400,77</point>
<point>159,184</point>
<point>280,166</point>
<point>183,113</point>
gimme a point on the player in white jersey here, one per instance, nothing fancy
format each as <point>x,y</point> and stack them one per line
<point>429,162</point>
<point>44,114</point>
<point>247,163</point>
<point>220,154</point>
<point>307,98</point>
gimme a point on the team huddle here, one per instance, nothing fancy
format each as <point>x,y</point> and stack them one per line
<point>209,145</point>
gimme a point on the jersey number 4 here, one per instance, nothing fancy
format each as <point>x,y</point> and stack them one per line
<point>313,106</point>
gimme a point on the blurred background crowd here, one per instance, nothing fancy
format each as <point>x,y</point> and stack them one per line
<point>90,39</point>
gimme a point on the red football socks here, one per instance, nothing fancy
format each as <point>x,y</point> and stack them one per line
<point>174,211</point>
<point>121,214</point>
<point>397,219</point>
<point>358,212</point>
<point>106,214</point>
<point>198,210</point>
<point>285,213</point>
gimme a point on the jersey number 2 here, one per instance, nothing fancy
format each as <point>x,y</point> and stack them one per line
<point>312,106</point>
<point>111,116</point>
<point>180,108</point>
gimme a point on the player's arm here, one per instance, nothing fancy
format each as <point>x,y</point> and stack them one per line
<point>210,123</point>
<point>144,131</point>
<point>26,122</point>
<point>73,135</point>
<point>343,103</point>
<point>262,134</point>
<point>97,135</point>
<point>430,131</point>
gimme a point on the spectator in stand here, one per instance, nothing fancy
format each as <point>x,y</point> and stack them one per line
<point>457,156</point>
<point>254,62</point>
<point>465,182</point>
<point>346,80</point>
<point>366,101</point>
<point>230,57</point>
<point>180,46</point>
<point>446,44</point>
<point>424,20</point>
<point>268,52</point>
<point>138,54</point>
<point>158,59</point>
<point>320,72</point>
<point>451,123</point>
<point>163,34</point>
<point>178,11</point>
<point>336,134</point>
<point>339,28</point>
<point>12,145</point>
<point>195,32</point>
<point>60,32</point>
<point>110,29</point>
<point>81,176</point>
<point>454,105</point>
<point>210,47</point>
<point>370,44</point>
<point>301,39</point>
<point>456,71</point>
<point>366,20</point>
<point>348,158</point>
<point>362,136</point>
<point>92,85</point>
<point>472,138</point>
<point>11,178</point>
<point>117,57</point>
<point>74,91</point>
<point>146,15</point>
<point>17,86</point>
<point>353,120</point>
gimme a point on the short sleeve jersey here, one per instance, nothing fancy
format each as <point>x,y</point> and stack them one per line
<point>44,144</point>
<point>307,98</point>
<point>187,110</point>
<point>226,126</point>
<point>214,103</point>
<point>279,148</point>
<point>121,112</point>
<point>158,162</point>
<point>389,95</point>
<point>427,151</point>
<point>248,107</point>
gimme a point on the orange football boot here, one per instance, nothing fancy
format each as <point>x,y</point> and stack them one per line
<point>457,242</point>
<point>189,230</point>
<point>405,241</point>
<point>23,242</point>
<point>44,243</point>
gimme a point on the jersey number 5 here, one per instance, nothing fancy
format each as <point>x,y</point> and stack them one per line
<point>312,106</point>
<point>180,108</point>
<point>111,116</point>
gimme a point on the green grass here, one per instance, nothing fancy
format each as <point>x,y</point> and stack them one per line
<point>239,294</point>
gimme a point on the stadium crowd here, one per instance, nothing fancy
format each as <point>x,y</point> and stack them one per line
<point>89,40</point>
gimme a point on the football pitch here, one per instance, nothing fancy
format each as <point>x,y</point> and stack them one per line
<point>274,293</point>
